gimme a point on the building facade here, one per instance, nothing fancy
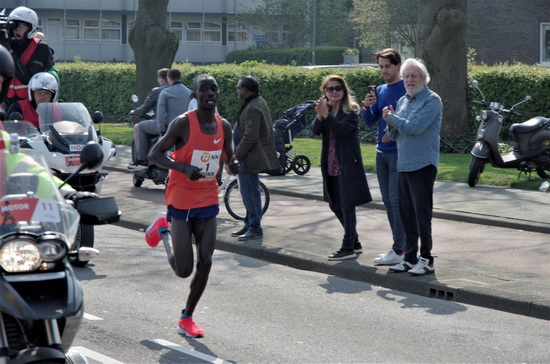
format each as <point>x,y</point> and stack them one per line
<point>97,30</point>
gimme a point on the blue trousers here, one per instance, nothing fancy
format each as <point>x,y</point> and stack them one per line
<point>249,185</point>
<point>386,171</point>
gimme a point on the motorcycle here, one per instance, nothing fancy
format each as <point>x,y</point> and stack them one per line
<point>64,129</point>
<point>41,300</point>
<point>531,141</point>
<point>152,171</point>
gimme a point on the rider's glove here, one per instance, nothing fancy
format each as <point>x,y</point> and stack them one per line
<point>80,195</point>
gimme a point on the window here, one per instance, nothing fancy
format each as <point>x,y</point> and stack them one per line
<point>91,29</point>
<point>110,29</point>
<point>238,34</point>
<point>212,32</point>
<point>193,32</point>
<point>72,29</point>
<point>545,44</point>
<point>177,27</point>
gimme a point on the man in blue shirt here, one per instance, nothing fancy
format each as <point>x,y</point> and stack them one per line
<point>389,61</point>
<point>415,125</point>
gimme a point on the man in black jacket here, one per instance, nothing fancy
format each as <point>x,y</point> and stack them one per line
<point>30,55</point>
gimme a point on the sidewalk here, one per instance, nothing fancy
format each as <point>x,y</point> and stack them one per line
<point>521,293</point>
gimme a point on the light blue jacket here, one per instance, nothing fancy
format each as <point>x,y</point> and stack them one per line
<point>416,125</point>
<point>173,101</point>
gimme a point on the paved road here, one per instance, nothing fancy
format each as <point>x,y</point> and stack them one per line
<point>503,267</point>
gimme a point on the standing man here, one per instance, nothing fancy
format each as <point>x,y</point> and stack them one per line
<point>389,62</point>
<point>255,151</point>
<point>173,100</point>
<point>415,126</point>
<point>29,54</point>
<point>201,139</point>
<point>145,130</point>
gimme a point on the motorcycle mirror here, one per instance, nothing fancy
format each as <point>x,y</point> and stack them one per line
<point>528,98</point>
<point>135,98</point>
<point>475,83</point>
<point>97,117</point>
<point>91,155</point>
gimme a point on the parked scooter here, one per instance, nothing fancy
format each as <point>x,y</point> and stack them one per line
<point>65,128</point>
<point>531,148</point>
<point>41,300</point>
<point>152,171</point>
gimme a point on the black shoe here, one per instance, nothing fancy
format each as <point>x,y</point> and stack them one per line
<point>343,254</point>
<point>249,235</point>
<point>239,232</point>
<point>357,247</point>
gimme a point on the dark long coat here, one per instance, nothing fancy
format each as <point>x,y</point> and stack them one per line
<point>354,189</point>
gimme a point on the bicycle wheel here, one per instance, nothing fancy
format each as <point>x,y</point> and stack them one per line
<point>234,202</point>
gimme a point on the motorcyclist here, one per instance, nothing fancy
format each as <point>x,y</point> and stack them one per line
<point>42,88</point>
<point>29,54</point>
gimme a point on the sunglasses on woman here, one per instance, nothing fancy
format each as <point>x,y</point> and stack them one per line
<point>332,89</point>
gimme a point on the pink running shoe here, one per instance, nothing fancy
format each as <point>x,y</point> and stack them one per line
<point>188,327</point>
<point>152,234</point>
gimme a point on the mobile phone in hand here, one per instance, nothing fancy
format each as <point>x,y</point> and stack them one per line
<point>372,88</point>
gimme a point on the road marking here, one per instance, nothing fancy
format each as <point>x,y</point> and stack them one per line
<point>95,355</point>
<point>87,316</point>
<point>191,352</point>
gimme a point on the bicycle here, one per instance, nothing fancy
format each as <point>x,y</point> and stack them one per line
<point>233,200</point>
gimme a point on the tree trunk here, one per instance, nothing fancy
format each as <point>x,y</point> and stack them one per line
<point>442,46</point>
<point>154,45</point>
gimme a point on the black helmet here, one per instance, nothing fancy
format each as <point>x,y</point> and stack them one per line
<point>6,70</point>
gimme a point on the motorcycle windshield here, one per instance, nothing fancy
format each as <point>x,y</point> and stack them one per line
<point>30,200</point>
<point>67,124</point>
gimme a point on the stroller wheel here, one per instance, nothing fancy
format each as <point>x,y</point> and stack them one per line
<point>289,164</point>
<point>301,164</point>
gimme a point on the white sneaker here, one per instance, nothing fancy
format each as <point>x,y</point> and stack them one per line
<point>389,257</point>
<point>401,267</point>
<point>423,267</point>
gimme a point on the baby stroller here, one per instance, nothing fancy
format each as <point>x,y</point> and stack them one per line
<point>294,121</point>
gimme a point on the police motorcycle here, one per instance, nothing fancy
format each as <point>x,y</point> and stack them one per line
<point>531,141</point>
<point>64,129</point>
<point>41,300</point>
<point>152,171</point>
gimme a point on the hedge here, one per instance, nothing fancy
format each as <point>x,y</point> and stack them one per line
<point>108,86</point>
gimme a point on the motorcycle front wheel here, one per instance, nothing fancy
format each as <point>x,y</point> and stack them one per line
<point>543,173</point>
<point>84,238</point>
<point>234,202</point>
<point>477,165</point>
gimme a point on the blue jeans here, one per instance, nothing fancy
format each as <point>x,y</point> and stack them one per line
<point>416,206</point>
<point>249,185</point>
<point>386,171</point>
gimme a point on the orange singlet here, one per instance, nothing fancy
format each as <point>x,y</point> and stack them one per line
<point>203,151</point>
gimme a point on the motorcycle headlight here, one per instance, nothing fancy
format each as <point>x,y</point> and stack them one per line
<point>20,256</point>
<point>483,114</point>
<point>52,250</point>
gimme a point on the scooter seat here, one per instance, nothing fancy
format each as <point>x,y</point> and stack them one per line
<point>529,126</point>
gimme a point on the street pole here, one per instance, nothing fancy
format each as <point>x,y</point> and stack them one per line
<point>313,38</point>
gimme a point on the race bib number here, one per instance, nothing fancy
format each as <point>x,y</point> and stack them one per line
<point>29,209</point>
<point>207,161</point>
<point>72,160</point>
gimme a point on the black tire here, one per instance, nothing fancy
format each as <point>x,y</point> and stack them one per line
<point>477,165</point>
<point>84,238</point>
<point>289,164</point>
<point>234,202</point>
<point>137,181</point>
<point>543,173</point>
<point>301,165</point>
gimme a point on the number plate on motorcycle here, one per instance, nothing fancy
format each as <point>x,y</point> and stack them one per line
<point>29,209</point>
<point>72,160</point>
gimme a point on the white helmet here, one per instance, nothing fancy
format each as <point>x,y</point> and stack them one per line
<point>42,81</point>
<point>25,15</point>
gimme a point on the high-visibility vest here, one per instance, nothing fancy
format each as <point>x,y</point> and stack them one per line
<point>17,88</point>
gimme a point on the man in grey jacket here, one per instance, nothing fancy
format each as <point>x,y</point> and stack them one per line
<point>145,130</point>
<point>173,100</point>
<point>255,151</point>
